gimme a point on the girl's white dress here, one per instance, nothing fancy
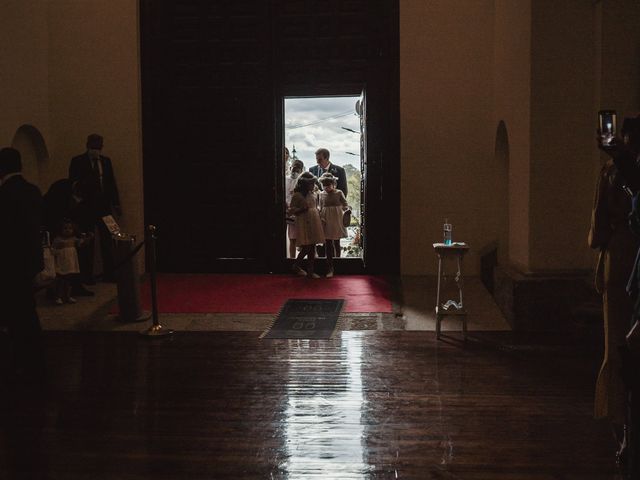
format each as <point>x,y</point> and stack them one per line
<point>308,224</point>
<point>66,255</point>
<point>332,205</point>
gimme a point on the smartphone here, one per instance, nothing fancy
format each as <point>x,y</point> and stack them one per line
<point>607,126</point>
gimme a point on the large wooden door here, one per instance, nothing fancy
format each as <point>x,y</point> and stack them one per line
<point>214,75</point>
<point>208,127</point>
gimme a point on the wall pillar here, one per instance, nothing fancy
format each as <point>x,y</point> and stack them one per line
<point>550,109</point>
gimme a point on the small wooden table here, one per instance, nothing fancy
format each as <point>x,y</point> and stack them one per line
<point>444,307</point>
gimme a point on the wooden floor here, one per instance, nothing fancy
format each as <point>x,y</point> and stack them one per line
<point>386,405</point>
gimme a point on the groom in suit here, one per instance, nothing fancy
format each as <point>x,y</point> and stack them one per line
<point>324,166</point>
<point>20,261</point>
<point>96,171</point>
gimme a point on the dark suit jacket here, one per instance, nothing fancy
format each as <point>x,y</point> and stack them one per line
<point>336,171</point>
<point>105,198</point>
<point>20,217</point>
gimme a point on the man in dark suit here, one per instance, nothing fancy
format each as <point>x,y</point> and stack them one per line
<point>96,171</point>
<point>20,260</point>
<point>324,166</point>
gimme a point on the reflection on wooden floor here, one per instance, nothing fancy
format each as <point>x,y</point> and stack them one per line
<point>215,405</point>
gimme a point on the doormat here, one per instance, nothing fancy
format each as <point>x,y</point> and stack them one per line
<point>306,318</point>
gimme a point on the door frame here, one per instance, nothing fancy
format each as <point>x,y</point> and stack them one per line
<point>363,265</point>
<point>377,72</point>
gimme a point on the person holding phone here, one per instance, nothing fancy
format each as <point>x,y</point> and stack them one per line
<point>607,126</point>
<point>612,234</point>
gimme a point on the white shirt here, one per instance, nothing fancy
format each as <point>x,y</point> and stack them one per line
<point>96,164</point>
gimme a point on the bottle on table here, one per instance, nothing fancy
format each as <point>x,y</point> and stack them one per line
<point>447,232</point>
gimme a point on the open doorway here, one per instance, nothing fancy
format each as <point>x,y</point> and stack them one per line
<point>334,123</point>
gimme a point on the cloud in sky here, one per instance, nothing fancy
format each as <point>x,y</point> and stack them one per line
<point>312,123</point>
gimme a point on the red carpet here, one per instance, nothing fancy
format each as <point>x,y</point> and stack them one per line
<point>187,293</point>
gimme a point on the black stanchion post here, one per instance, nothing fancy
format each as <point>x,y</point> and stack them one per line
<point>156,330</point>
<point>128,279</point>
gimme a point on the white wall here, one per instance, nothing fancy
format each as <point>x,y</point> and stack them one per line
<point>24,77</point>
<point>70,68</point>
<point>563,123</point>
<point>94,71</point>
<point>448,165</point>
<point>512,104</point>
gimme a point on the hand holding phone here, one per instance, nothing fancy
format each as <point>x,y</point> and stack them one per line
<point>607,127</point>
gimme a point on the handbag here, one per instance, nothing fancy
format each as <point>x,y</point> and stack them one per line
<point>346,218</point>
<point>48,273</point>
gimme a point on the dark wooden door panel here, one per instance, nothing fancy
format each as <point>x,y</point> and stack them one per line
<point>209,142</point>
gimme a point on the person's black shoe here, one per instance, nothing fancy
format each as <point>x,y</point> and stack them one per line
<point>89,281</point>
<point>81,292</point>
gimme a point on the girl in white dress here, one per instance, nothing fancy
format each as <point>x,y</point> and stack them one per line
<point>65,246</point>
<point>308,224</point>
<point>332,207</point>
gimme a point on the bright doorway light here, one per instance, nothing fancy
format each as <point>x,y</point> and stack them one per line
<point>311,123</point>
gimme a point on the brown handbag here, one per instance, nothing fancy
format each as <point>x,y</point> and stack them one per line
<point>346,218</point>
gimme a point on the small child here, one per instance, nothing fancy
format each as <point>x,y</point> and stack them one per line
<point>308,224</point>
<point>290,184</point>
<point>332,207</point>
<point>66,255</point>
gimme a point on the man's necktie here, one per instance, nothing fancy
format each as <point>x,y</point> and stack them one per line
<point>96,168</point>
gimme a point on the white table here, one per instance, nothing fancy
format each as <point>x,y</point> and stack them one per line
<point>450,307</point>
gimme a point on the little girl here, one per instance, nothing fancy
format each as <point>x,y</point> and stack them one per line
<point>332,207</point>
<point>66,255</point>
<point>308,224</point>
<point>297,167</point>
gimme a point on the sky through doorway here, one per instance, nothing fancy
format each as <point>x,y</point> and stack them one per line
<point>329,122</point>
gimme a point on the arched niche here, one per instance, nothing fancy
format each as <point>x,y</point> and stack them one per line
<point>30,143</point>
<point>502,160</point>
